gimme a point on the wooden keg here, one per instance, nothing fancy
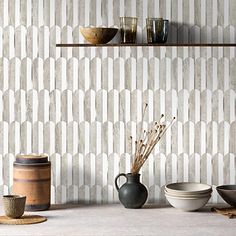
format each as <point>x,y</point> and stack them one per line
<point>32,178</point>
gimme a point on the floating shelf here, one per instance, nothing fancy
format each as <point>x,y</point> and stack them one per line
<point>147,45</point>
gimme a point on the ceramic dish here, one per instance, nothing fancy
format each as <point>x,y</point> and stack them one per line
<point>188,195</point>
<point>187,204</point>
<point>188,188</point>
<point>96,35</point>
<point>228,193</point>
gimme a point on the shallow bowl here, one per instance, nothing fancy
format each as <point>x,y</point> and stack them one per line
<point>99,35</point>
<point>14,205</point>
<point>187,204</point>
<point>199,195</point>
<point>188,188</point>
<point>228,193</point>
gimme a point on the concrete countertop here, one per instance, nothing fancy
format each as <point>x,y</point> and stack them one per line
<point>110,220</point>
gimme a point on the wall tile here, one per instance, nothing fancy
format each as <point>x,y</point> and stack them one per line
<point>81,105</point>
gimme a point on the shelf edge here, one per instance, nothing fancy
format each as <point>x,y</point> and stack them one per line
<point>145,45</point>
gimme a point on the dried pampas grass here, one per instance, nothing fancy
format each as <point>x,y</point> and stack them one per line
<point>147,141</point>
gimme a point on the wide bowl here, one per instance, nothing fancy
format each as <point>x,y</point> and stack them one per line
<point>228,193</point>
<point>99,35</point>
<point>187,204</point>
<point>14,205</point>
<point>200,195</point>
<point>188,188</point>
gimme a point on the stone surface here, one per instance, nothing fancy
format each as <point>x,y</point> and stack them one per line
<point>111,220</point>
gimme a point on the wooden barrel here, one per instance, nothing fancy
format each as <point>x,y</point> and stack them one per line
<point>32,178</point>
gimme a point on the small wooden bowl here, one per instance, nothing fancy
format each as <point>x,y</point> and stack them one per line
<point>98,35</point>
<point>14,205</point>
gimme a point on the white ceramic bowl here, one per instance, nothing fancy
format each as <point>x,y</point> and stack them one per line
<point>179,195</point>
<point>187,204</point>
<point>188,188</point>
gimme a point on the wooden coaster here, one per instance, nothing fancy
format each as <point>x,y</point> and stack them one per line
<point>230,212</point>
<point>24,220</point>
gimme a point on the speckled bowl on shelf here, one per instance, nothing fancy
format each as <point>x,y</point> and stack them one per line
<point>14,205</point>
<point>98,35</point>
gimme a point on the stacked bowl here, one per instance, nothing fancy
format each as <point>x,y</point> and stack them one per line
<point>188,196</point>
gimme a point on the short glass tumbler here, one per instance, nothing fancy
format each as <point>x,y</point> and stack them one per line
<point>128,29</point>
<point>157,30</point>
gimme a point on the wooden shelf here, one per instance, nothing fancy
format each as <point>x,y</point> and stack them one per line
<point>147,45</point>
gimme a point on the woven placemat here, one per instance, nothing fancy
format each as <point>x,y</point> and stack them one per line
<point>24,220</point>
<point>230,212</point>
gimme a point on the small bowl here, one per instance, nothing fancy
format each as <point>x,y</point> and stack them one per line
<point>188,188</point>
<point>228,193</point>
<point>200,195</point>
<point>97,35</point>
<point>187,204</point>
<point>14,205</point>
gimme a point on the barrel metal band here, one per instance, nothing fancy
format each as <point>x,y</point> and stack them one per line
<point>41,165</point>
<point>31,180</point>
<point>37,207</point>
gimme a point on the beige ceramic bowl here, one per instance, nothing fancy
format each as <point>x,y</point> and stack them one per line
<point>200,195</point>
<point>14,205</point>
<point>188,204</point>
<point>188,188</point>
<point>100,35</point>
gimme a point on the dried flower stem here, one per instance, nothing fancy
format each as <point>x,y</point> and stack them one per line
<point>144,147</point>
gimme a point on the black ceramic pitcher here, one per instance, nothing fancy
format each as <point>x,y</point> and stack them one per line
<point>132,194</point>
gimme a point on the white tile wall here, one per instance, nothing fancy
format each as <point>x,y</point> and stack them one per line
<point>80,105</point>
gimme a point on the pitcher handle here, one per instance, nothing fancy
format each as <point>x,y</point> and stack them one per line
<point>116,179</point>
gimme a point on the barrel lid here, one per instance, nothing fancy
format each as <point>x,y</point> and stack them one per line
<point>31,158</point>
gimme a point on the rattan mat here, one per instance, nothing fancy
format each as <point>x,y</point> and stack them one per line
<point>228,211</point>
<point>24,220</point>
